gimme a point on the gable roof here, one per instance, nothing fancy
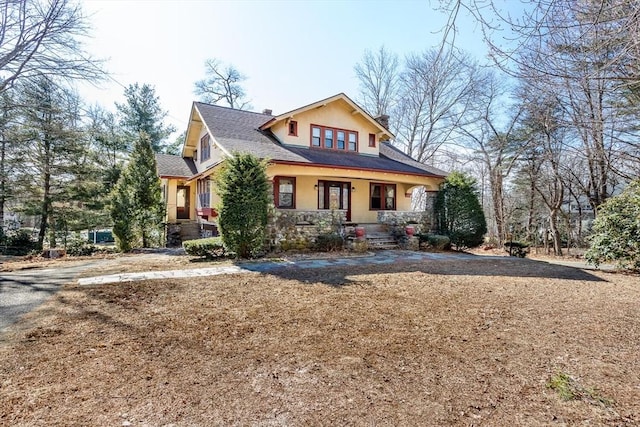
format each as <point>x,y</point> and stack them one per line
<point>242,131</point>
<point>334,98</point>
<point>175,166</point>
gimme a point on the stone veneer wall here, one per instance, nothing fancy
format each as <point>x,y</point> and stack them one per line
<point>396,221</point>
<point>297,230</point>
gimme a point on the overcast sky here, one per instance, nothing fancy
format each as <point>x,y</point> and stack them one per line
<point>293,52</point>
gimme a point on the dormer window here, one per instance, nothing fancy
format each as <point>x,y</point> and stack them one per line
<point>372,140</point>
<point>293,128</point>
<point>334,139</point>
<point>205,148</point>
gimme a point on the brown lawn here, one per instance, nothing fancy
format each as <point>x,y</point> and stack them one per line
<point>438,343</point>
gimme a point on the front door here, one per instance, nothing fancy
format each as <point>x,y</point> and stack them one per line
<point>335,195</point>
<point>182,202</point>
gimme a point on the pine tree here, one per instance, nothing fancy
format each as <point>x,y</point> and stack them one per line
<point>137,209</point>
<point>142,113</point>
<point>55,159</point>
<point>244,190</point>
<point>122,213</point>
<point>458,211</point>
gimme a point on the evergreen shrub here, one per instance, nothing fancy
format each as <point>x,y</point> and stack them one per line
<point>209,248</point>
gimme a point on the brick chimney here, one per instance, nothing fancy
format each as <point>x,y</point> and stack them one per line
<point>383,119</point>
<point>267,111</point>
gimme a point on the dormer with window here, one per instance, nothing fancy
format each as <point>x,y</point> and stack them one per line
<point>336,124</point>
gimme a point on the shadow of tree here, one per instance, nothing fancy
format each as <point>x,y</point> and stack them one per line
<point>336,272</point>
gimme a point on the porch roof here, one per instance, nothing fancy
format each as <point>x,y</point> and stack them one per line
<point>170,166</point>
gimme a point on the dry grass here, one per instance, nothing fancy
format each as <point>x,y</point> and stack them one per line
<point>443,343</point>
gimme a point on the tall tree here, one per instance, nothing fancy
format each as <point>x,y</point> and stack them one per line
<point>57,150</point>
<point>493,134</point>
<point>109,144</point>
<point>137,208</point>
<point>586,52</point>
<point>436,91</point>
<point>222,83</point>
<point>8,150</point>
<point>141,112</point>
<point>43,37</point>
<point>378,75</point>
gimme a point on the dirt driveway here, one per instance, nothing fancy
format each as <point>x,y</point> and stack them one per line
<point>448,342</point>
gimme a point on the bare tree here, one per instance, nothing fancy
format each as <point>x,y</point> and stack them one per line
<point>39,37</point>
<point>434,100</point>
<point>587,53</point>
<point>377,73</point>
<point>493,135</point>
<point>222,83</point>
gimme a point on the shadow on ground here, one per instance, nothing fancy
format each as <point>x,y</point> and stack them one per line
<point>336,272</point>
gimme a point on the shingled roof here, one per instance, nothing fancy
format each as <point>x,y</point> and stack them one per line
<point>175,166</point>
<point>238,131</point>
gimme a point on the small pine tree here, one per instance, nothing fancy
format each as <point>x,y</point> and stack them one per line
<point>137,209</point>
<point>458,212</point>
<point>122,214</point>
<point>244,191</point>
<point>617,230</point>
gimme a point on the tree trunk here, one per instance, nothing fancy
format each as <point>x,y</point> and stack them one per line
<point>46,188</point>
<point>498,204</point>
<point>3,178</point>
<point>555,232</point>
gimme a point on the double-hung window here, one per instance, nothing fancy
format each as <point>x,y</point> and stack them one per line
<point>316,133</point>
<point>328,138</point>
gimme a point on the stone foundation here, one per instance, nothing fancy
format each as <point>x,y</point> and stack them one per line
<point>297,230</point>
<point>396,221</point>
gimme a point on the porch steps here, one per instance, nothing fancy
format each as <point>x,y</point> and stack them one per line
<point>378,238</point>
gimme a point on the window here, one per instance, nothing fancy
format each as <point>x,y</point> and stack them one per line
<point>315,136</point>
<point>383,197</point>
<point>293,128</point>
<point>353,141</point>
<point>205,148</point>
<point>333,139</point>
<point>285,191</point>
<point>203,187</point>
<point>328,138</point>
<point>372,140</point>
<point>340,140</point>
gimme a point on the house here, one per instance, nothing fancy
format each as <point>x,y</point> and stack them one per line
<point>328,161</point>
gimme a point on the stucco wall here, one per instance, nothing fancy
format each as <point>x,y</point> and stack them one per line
<point>336,115</point>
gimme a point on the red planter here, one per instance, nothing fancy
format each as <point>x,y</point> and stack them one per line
<point>410,230</point>
<point>359,232</point>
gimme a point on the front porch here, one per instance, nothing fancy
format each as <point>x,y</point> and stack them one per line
<point>298,229</point>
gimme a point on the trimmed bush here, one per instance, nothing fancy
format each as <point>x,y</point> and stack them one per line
<point>80,247</point>
<point>210,248</point>
<point>458,211</point>
<point>329,242</point>
<point>435,241</point>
